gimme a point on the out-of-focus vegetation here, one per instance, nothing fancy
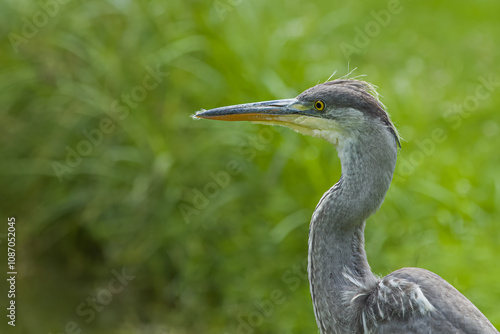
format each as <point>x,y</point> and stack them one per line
<point>208,220</point>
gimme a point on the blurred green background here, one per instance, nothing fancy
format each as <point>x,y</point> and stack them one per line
<point>206,223</point>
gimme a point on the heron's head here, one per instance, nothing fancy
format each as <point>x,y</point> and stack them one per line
<point>336,110</point>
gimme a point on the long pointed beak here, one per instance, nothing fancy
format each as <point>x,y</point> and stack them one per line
<point>267,111</point>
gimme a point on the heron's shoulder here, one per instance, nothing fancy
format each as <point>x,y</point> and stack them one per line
<point>437,289</point>
<point>420,299</point>
<point>454,309</point>
<point>395,295</point>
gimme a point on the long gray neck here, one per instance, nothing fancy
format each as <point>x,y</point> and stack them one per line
<point>337,259</point>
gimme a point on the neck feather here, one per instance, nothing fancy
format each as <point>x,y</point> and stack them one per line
<point>337,259</point>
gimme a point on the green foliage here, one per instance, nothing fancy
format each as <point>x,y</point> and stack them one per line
<point>211,219</point>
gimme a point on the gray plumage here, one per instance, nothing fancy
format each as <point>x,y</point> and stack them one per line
<point>347,297</point>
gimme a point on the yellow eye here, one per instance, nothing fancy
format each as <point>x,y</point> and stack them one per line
<point>319,105</point>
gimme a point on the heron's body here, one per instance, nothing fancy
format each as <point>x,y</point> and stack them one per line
<point>347,297</point>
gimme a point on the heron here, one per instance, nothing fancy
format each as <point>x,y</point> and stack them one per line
<point>347,297</point>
